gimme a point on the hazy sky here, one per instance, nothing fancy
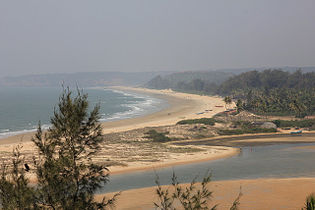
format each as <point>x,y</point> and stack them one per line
<point>41,36</point>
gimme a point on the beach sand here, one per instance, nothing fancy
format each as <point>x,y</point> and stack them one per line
<point>208,153</point>
<point>258,194</point>
<point>181,106</point>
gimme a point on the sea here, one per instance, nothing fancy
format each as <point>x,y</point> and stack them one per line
<point>22,108</point>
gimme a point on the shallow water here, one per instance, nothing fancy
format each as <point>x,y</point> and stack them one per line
<point>273,161</point>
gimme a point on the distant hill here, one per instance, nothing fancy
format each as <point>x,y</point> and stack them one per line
<point>283,68</point>
<point>208,82</point>
<point>189,81</point>
<point>83,79</point>
<point>273,92</point>
<point>194,81</point>
<point>266,80</point>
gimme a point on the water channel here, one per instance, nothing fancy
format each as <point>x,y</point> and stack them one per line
<point>271,161</point>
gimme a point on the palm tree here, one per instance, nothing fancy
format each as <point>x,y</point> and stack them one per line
<point>227,100</point>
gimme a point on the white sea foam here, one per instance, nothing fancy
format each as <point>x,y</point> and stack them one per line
<point>138,108</point>
<point>13,133</point>
<point>7,132</point>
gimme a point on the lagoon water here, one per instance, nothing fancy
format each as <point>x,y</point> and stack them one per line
<point>272,161</point>
<point>22,108</point>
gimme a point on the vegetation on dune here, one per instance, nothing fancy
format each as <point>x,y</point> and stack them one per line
<point>307,123</point>
<point>244,131</point>
<point>205,121</point>
<point>243,127</point>
<point>157,136</point>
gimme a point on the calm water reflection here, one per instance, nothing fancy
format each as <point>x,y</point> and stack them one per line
<point>286,160</point>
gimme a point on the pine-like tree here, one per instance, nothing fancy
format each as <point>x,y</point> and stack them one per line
<point>67,178</point>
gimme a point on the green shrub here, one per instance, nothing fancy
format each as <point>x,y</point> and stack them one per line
<point>295,123</point>
<point>248,130</point>
<point>310,202</point>
<point>205,121</point>
<point>191,197</point>
<point>156,136</point>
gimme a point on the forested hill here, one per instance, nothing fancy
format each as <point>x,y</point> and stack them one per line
<point>224,81</point>
<point>275,92</point>
<point>268,79</point>
<point>272,92</point>
<point>198,81</point>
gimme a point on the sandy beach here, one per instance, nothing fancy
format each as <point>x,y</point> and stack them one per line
<point>208,153</point>
<point>181,106</point>
<point>258,194</point>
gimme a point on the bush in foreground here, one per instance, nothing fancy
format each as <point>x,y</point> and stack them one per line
<point>191,197</point>
<point>310,202</point>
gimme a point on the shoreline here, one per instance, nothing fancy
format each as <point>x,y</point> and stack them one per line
<point>181,106</point>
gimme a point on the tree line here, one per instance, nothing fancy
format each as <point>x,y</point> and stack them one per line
<point>272,91</point>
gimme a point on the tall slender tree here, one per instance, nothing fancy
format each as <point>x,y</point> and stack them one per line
<point>67,178</point>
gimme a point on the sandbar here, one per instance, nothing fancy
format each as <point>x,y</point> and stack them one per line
<point>258,194</point>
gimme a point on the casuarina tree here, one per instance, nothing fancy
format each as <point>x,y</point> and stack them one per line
<point>67,178</point>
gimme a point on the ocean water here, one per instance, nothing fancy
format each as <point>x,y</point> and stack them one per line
<point>22,108</point>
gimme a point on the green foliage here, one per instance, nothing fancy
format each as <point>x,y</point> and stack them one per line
<point>190,198</point>
<point>15,192</point>
<point>236,204</point>
<point>156,136</point>
<point>66,176</point>
<point>246,130</point>
<point>295,123</point>
<point>239,105</point>
<point>244,127</point>
<point>192,82</point>
<point>310,202</point>
<point>227,100</point>
<point>273,91</point>
<point>205,121</point>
